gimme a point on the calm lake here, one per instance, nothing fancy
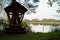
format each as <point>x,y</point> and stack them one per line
<point>43,28</point>
<point>40,28</point>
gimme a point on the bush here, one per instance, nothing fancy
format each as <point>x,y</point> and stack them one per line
<point>25,25</point>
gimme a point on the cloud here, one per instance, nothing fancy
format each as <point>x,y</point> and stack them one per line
<point>56,15</point>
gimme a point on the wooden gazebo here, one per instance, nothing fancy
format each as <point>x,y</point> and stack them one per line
<point>15,12</point>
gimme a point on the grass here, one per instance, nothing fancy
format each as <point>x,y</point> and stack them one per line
<point>32,36</point>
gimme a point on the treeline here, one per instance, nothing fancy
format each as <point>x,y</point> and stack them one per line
<point>44,20</point>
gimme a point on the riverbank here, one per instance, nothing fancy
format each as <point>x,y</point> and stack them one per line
<point>45,23</point>
<point>32,36</point>
<point>52,22</point>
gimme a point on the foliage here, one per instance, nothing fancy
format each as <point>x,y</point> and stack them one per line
<point>25,25</point>
<point>50,2</point>
<point>25,3</point>
<point>3,24</point>
<point>52,22</point>
<point>1,21</point>
<point>35,1</point>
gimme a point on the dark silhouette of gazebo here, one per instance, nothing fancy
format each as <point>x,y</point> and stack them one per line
<point>16,11</point>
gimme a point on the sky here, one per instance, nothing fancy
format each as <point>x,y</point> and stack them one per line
<point>44,11</point>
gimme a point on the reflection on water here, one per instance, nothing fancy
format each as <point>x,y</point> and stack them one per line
<point>43,28</point>
<point>40,28</point>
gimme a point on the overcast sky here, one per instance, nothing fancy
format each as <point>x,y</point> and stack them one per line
<point>44,11</point>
